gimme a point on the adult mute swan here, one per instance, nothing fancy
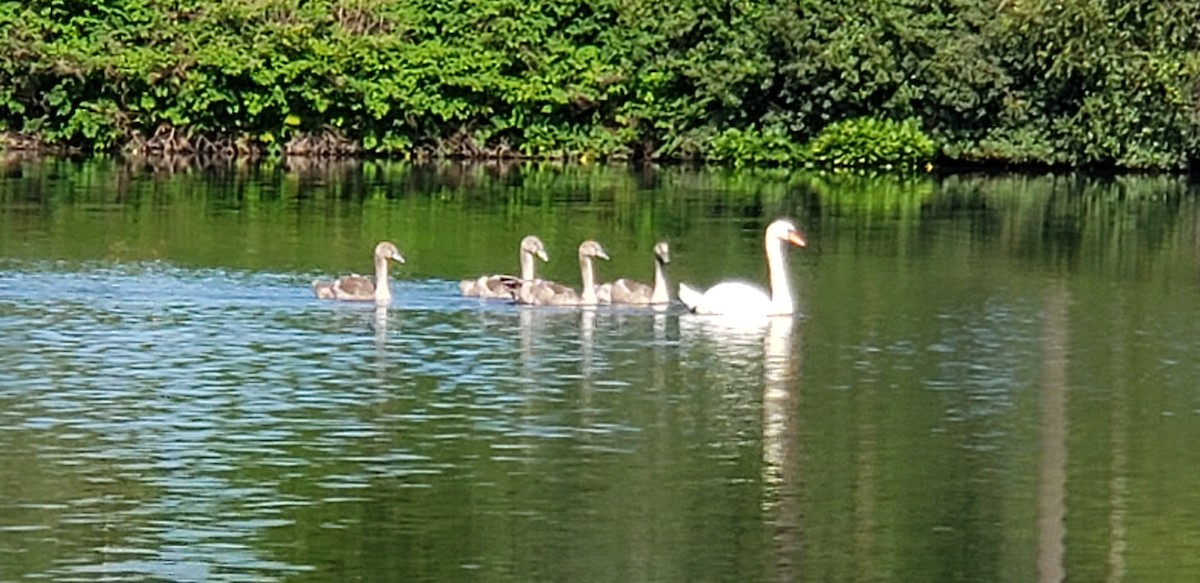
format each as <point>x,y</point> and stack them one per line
<point>636,293</point>
<point>356,288</point>
<point>548,293</point>
<point>735,298</point>
<point>506,286</point>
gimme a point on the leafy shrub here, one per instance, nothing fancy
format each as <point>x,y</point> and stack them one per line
<point>870,142</point>
<point>766,146</point>
<point>1075,83</point>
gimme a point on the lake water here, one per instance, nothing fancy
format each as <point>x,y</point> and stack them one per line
<point>991,378</point>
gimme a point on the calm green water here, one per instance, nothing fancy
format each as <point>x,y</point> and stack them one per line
<point>992,379</point>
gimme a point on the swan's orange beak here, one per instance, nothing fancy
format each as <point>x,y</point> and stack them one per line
<point>795,238</point>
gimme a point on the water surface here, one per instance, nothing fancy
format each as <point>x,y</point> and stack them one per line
<point>991,379</point>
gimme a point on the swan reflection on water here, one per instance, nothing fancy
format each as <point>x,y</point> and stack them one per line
<point>738,337</point>
<point>780,443</point>
<point>381,323</point>
<point>741,343</point>
<point>737,342</point>
<point>779,392</point>
<point>587,331</point>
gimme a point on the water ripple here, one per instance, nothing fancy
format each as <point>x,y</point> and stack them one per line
<point>191,412</point>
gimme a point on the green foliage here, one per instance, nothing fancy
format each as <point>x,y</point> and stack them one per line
<point>767,146</point>
<point>1086,82</point>
<point>868,142</point>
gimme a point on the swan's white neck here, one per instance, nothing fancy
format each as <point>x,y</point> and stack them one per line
<point>661,293</point>
<point>528,267</point>
<point>588,293</point>
<point>383,290</point>
<point>782,301</point>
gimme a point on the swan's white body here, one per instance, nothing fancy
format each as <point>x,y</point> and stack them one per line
<point>736,298</point>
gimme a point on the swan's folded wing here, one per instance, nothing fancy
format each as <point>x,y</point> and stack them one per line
<point>727,298</point>
<point>542,292</point>
<point>691,298</point>
<point>501,286</point>
<point>354,286</point>
<point>628,291</point>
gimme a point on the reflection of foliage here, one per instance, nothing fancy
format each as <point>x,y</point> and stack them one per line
<point>871,195</point>
<point>1064,217</point>
<point>1040,217</point>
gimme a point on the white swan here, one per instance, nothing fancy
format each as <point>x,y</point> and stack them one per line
<point>506,286</point>
<point>735,298</point>
<point>356,288</point>
<point>630,292</point>
<point>548,293</point>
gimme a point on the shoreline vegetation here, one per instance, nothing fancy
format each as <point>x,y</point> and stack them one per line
<point>838,83</point>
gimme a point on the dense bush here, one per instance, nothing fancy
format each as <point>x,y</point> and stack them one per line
<point>1081,82</point>
<point>868,142</point>
<point>759,146</point>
